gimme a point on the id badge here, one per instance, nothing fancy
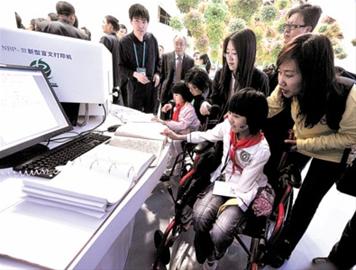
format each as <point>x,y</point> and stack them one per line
<point>141,70</point>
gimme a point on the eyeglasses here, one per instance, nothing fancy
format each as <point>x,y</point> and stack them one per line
<point>289,27</point>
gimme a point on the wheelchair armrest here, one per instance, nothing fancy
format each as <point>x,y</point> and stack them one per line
<point>202,147</point>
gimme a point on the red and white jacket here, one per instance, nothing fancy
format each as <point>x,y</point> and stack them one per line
<point>251,159</point>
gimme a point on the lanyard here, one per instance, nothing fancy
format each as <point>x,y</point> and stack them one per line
<point>225,164</point>
<point>144,54</point>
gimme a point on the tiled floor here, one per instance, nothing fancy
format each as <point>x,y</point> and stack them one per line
<point>322,233</point>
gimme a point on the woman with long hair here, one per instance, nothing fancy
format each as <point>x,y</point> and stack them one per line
<point>238,70</point>
<point>323,108</point>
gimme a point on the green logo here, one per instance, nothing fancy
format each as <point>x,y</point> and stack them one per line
<point>39,63</point>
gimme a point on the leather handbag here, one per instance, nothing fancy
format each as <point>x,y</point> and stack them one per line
<point>346,183</point>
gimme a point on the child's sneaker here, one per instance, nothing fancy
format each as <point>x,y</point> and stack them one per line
<point>210,265</point>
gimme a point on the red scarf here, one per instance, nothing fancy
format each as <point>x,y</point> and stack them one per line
<point>176,112</point>
<point>243,143</point>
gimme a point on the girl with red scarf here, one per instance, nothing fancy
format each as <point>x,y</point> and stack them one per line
<point>236,180</point>
<point>184,118</point>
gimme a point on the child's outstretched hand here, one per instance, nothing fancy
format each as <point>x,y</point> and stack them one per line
<point>170,134</point>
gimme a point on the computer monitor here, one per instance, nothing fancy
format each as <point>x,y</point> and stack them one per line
<point>79,71</point>
<point>30,112</point>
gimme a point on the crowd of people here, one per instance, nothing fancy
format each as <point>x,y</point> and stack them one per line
<point>257,108</point>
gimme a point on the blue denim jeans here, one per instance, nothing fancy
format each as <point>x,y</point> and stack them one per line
<point>216,233</point>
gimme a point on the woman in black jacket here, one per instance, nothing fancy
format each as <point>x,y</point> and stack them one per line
<point>238,71</point>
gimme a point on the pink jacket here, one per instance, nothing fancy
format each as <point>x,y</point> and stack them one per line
<point>187,120</point>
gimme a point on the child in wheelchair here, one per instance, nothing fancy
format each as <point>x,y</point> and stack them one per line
<point>199,84</point>
<point>236,181</point>
<point>183,120</point>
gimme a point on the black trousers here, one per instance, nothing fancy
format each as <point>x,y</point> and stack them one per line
<point>317,182</point>
<point>141,96</point>
<point>343,252</point>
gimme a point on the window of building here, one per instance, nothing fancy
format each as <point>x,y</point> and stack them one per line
<point>164,17</point>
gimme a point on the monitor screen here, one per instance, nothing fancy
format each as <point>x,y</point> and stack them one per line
<point>29,110</point>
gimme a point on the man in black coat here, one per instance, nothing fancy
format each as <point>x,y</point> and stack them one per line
<point>139,63</point>
<point>174,67</point>
<point>65,24</point>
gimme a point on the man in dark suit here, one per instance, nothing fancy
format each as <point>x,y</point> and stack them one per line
<point>174,67</point>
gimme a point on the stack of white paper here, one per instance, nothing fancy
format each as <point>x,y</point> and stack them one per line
<point>144,130</point>
<point>93,182</point>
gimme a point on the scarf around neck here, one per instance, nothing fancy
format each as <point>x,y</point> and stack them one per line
<point>236,144</point>
<point>176,111</point>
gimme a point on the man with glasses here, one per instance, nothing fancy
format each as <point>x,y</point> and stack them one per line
<point>301,20</point>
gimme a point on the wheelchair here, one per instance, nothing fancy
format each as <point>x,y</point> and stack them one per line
<point>263,231</point>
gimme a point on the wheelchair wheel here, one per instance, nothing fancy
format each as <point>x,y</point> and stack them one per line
<point>164,241</point>
<point>183,252</point>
